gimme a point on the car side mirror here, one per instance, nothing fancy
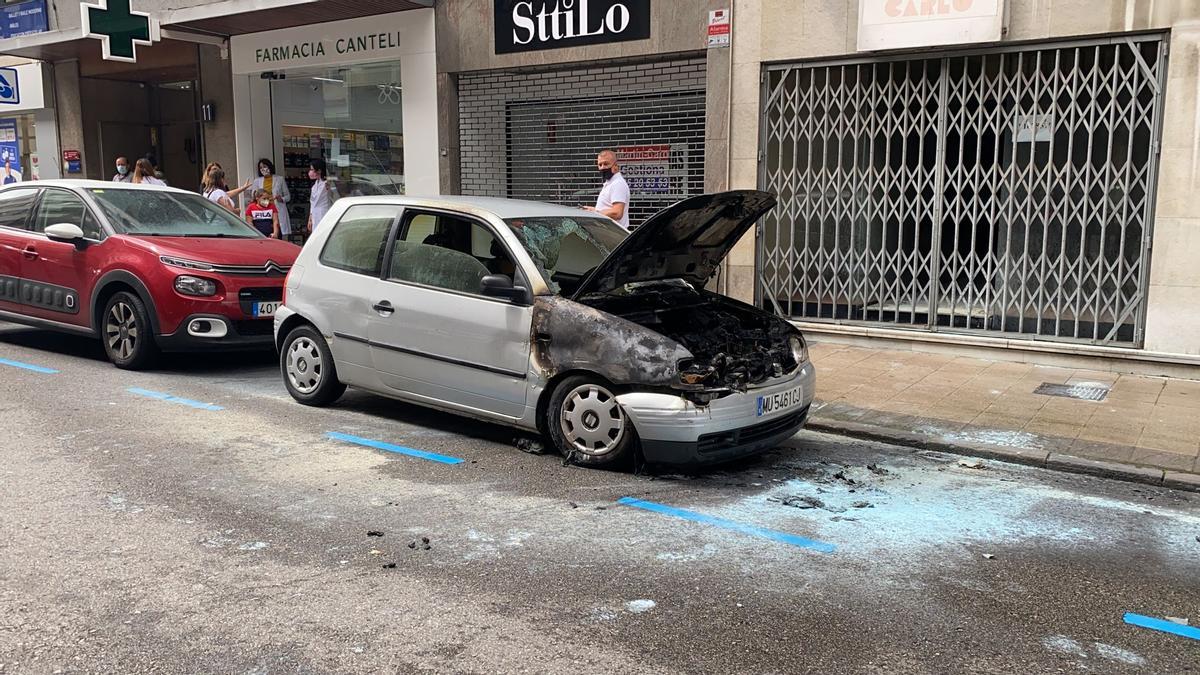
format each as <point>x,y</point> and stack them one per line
<point>66,233</point>
<point>501,286</point>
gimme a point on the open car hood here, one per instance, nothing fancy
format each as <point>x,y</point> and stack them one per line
<point>686,240</point>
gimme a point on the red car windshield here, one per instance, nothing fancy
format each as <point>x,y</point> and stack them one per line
<point>169,214</point>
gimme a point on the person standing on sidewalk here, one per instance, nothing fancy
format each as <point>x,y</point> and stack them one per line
<point>613,200</point>
<point>263,214</point>
<point>215,192</point>
<point>324,193</point>
<point>277,188</point>
<point>143,173</point>
<point>122,175</point>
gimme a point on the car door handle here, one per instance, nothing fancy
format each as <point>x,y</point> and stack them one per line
<point>383,307</point>
<point>30,253</point>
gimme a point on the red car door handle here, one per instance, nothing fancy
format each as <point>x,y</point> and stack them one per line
<point>30,253</point>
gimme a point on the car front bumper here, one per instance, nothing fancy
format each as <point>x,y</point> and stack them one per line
<point>674,430</point>
<point>225,333</point>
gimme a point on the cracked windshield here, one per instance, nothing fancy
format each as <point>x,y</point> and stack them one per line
<point>565,249</point>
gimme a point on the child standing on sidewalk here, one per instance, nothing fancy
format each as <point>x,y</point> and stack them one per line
<point>263,214</point>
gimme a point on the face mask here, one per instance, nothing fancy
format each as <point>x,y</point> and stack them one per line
<point>606,173</point>
<point>265,171</point>
<point>122,169</point>
<point>264,203</point>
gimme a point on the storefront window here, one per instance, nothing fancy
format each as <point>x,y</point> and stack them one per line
<point>18,149</point>
<point>351,118</point>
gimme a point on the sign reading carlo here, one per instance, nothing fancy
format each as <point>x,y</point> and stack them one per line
<point>528,25</point>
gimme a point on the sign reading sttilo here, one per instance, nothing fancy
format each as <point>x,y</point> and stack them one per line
<point>901,24</point>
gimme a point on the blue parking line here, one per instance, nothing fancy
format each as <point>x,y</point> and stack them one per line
<point>744,528</point>
<point>28,366</point>
<point>398,449</point>
<point>1162,625</point>
<point>173,399</point>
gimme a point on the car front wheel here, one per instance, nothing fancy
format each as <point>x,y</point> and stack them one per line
<point>308,369</point>
<point>126,332</point>
<point>587,425</point>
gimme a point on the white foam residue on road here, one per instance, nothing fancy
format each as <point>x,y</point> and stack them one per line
<point>1117,654</point>
<point>935,501</point>
<point>640,606</point>
<point>1064,645</point>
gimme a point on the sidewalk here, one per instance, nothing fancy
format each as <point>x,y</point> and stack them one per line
<point>1145,429</point>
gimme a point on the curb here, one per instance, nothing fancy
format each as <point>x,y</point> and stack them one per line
<point>1043,459</point>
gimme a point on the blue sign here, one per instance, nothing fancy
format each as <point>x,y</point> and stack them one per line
<point>10,152</point>
<point>23,18</point>
<point>10,92</point>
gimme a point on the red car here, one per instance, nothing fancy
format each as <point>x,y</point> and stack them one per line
<point>142,268</point>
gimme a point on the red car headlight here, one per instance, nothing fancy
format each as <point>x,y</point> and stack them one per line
<point>198,286</point>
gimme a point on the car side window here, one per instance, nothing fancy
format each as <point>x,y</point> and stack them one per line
<point>359,239</point>
<point>447,252</point>
<point>15,207</point>
<point>60,206</point>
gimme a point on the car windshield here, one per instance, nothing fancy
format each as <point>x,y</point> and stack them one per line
<point>567,248</point>
<point>169,214</point>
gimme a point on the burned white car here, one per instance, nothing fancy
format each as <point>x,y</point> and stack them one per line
<point>550,319</point>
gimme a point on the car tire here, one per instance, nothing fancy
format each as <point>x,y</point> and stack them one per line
<point>127,332</point>
<point>308,369</point>
<point>587,425</point>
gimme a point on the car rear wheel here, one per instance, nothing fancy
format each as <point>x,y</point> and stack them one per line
<point>126,332</point>
<point>587,425</point>
<point>308,369</point>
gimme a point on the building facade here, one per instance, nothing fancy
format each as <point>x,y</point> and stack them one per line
<point>174,92</point>
<point>359,93</point>
<point>1016,175</point>
<point>1011,175</point>
<point>532,91</point>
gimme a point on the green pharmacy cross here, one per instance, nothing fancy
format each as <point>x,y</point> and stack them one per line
<point>119,28</point>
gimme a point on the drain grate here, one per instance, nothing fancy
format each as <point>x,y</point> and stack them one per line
<point>1081,392</point>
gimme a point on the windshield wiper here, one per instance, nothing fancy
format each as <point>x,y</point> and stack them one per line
<point>217,235</point>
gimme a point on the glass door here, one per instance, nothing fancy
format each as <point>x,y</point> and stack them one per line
<point>351,118</point>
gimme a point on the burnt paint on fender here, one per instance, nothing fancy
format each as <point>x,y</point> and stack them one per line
<point>570,336</point>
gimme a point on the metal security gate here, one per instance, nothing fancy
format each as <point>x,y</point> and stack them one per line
<point>535,134</point>
<point>1008,192</point>
<point>658,138</point>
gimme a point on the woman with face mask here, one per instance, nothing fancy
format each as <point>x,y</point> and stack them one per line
<point>323,194</point>
<point>277,188</point>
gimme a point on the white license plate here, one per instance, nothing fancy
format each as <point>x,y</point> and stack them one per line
<point>776,403</point>
<point>265,308</point>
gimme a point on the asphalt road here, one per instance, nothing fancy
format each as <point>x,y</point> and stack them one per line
<point>229,532</point>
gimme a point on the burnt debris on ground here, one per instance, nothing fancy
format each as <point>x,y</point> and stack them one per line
<point>531,445</point>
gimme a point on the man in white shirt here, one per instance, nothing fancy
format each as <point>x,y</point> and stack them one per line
<point>614,196</point>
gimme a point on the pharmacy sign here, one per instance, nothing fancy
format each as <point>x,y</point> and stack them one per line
<point>118,28</point>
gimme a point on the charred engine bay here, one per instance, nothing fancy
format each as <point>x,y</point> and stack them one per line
<point>733,347</point>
